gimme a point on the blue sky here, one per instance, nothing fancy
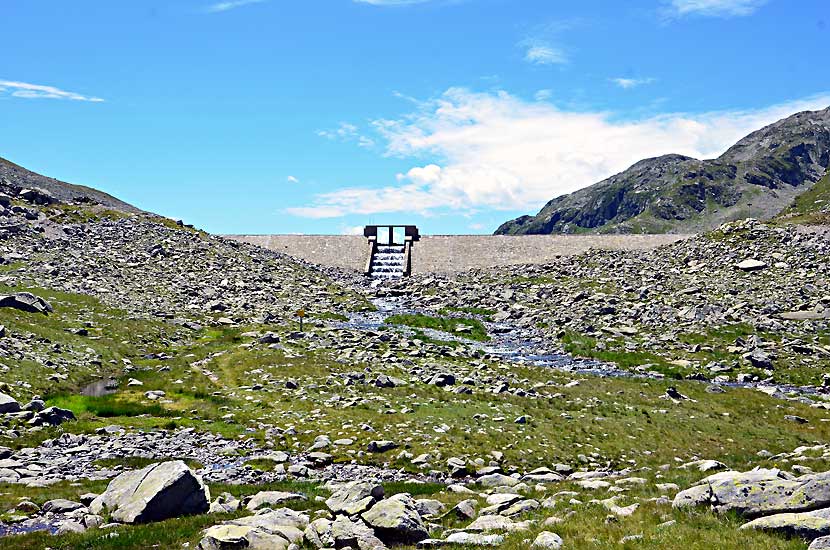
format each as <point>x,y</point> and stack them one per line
<point>319,116</point>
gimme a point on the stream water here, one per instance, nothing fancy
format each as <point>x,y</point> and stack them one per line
<point>528,346</point>
<point>509,342</point>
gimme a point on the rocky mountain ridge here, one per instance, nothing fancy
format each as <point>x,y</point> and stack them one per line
<point>759,176</point>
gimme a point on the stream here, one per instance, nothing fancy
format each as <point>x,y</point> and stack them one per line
<point>528,346</point>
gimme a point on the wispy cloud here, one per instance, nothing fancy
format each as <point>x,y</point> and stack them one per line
<point>347,132</point>
<point>39,91</point>
<point>292,179</point>
<point>230,4</point>
<point>628,83</point>
<point>543,53</point>
<point>543,95</point>
<point>501,152</point>
<point>541,45</point>
<point>713,8</point>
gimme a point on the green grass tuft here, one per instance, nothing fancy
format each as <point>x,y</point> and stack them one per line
<point>444,324</point>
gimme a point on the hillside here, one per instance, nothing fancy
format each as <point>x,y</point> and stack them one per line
<point>757,177</point>
<point>14,179</point>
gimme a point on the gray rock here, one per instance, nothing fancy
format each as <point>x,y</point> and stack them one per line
<point>758,493</point>
<point>491,523</point>
<point>8,404</point>
<point>224,504</point>
<point>354,534</point>
<point>67,527</point>
<point>428,507</point>
<point>497,480</point>
<point>157,492</point>
<point>355,497</point>
<point>521,507</point>
<point>273,530</point>
<point>751,265</point>
<point>464,510</point>
<point>318,533</point>
<point>803,525</point>
<point>381,446</point>
<point>548,541</point>
<point>473,539</point>
<point>52,416</point>
<point>396,520</point>
<point>26,301</point>
<point>61,506</point>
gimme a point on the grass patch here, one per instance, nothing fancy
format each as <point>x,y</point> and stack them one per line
<point>419,335</point>
<point>262,464</point>
<point>588,346</point>
<point>107,406</point>
<point>329,316</point>
<point>451,325</point>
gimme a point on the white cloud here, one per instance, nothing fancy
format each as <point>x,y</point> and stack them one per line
<point>230,4</point>
<point>347,133</point>
<point>714,8</point>
<point>628,83</point>
<point>292,179</point>
<point>38,91</point>
<point>542,53</point>
<point>501,152</point>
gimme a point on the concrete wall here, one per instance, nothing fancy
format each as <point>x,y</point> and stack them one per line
<point>454,252</point>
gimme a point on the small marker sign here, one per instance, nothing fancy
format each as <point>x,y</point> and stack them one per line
<point>301,314</point>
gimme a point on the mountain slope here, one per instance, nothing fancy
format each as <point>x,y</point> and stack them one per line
<point>813,206</point>
<point>759,176</point>
<point>14,178</point>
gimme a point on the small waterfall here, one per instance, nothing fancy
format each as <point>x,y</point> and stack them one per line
<point>388,262</point>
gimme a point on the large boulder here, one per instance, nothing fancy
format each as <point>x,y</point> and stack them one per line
<point>26,301</point>
<point>355,497</point>
<point>157,492</point>
<point>758,493</point>
<point>396,519</point>
<point>805,525</point>
<point>8,404</point>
